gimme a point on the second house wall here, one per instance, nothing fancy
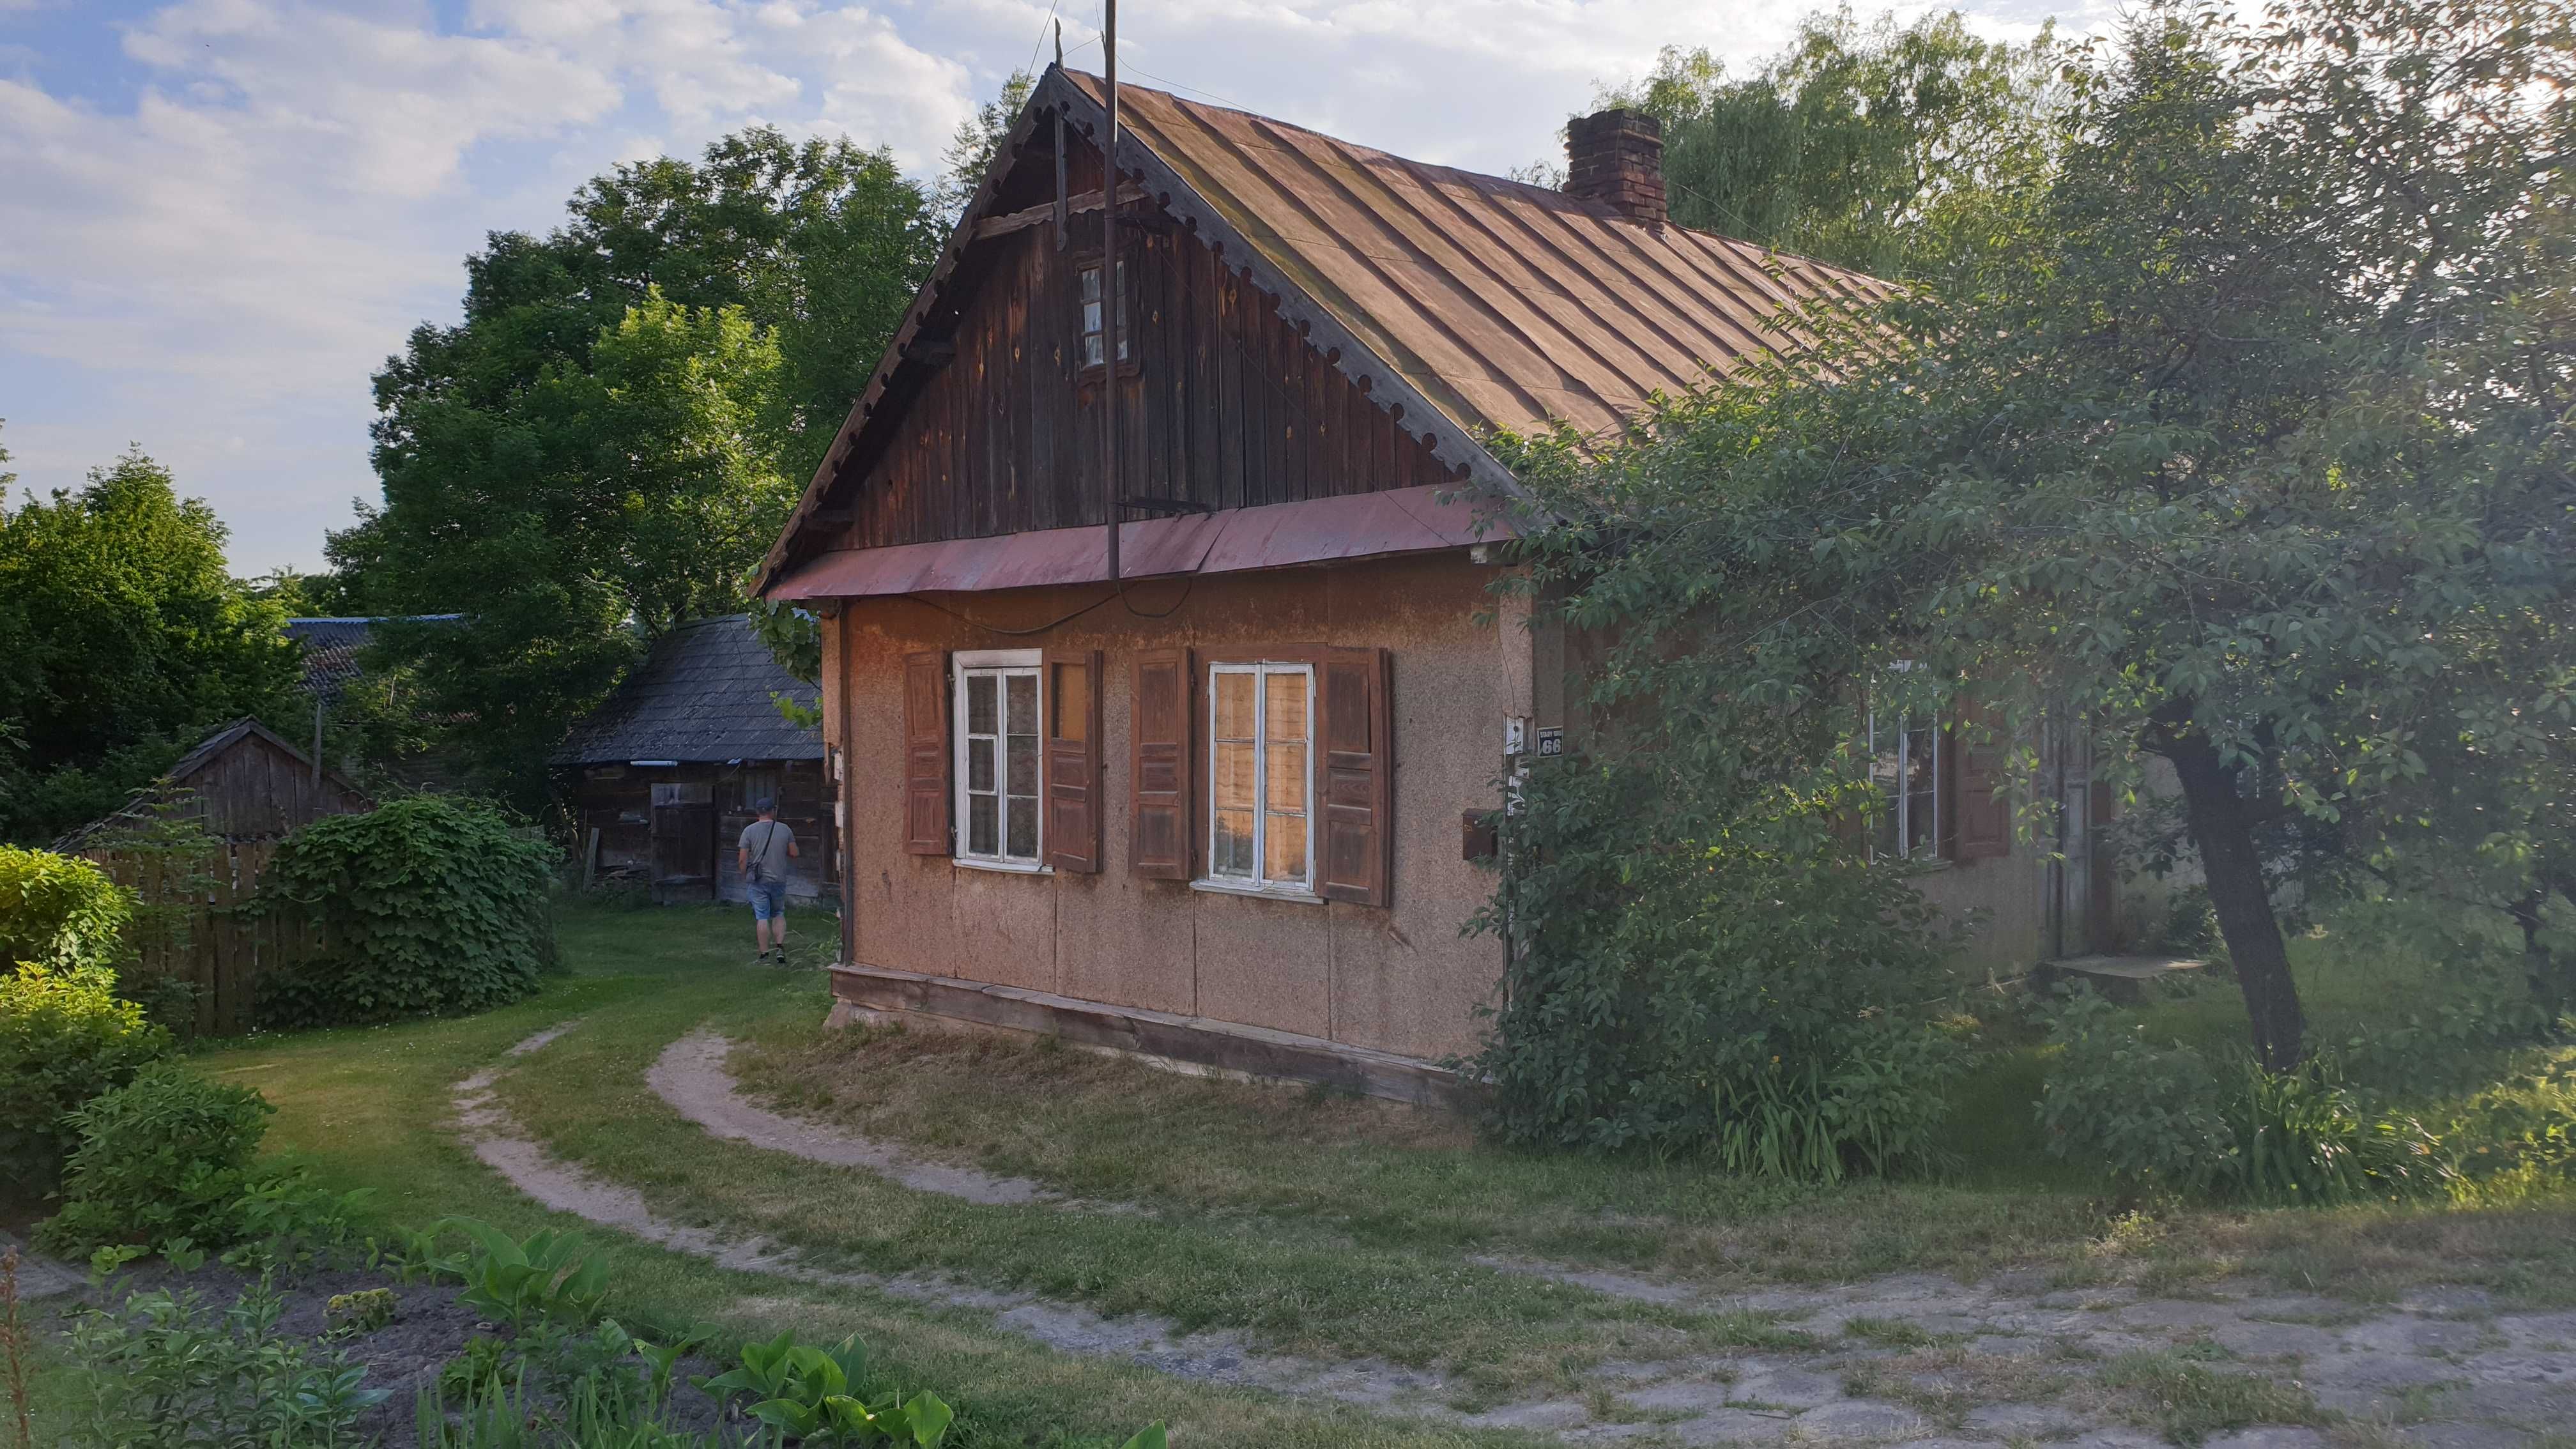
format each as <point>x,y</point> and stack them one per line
<point>1398,978</point>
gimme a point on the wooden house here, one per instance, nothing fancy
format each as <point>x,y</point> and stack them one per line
<point>664,775</point>
<point>1214,805</point>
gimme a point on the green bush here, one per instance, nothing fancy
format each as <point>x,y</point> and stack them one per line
<point>59,912</point>
<point>2177,1118</point>
<point>427,906</point>
<point>166,1370</point>
<point>1762,1001</point>
<point>163,1163</point>
<point>65,1037</point>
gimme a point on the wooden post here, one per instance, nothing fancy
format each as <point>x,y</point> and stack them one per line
<point>1110,263</point>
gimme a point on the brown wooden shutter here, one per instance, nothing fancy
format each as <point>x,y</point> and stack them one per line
<point>1358,777</point>
<point>1980,803</point>
<point>1073,783</point>
<point>925,754</point>
<point>1159,768</point>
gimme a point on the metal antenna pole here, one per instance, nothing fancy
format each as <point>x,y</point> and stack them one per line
<point>1113,293</point>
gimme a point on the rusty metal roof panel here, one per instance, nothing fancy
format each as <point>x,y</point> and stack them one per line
<point>1509,305</point>
<point>1235,540</point>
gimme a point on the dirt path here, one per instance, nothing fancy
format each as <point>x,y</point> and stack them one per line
<point>1916,1360</point>
<point>504,1146</point>
<point>690,1075</point>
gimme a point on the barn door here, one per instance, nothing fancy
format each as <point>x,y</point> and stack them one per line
<point>684,841</point>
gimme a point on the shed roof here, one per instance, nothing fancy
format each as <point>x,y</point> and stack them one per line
<point>331,647</point>
<point>704,693</point>
<point>175,782</point>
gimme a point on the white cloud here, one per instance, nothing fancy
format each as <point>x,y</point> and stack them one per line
<point>209,246</point>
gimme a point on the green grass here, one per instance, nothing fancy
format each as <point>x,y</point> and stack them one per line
<point>1310,1222</point>
<point>2190,1401</point>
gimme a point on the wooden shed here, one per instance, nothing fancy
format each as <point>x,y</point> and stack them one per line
<point>249,789</point>
<point>664,775</point>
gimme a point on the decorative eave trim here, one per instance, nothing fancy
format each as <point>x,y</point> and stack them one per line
<point>1325,333</point>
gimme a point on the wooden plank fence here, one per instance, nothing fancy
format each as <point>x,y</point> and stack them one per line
<point>199,932</point>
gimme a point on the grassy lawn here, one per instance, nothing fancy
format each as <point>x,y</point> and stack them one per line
<point>1314,1224</point>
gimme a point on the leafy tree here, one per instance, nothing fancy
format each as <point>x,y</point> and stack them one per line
<point>604,444</point>
<point>123,639</point>
<point>2244,443</point>
<point>1872,146</point>
<point>626,498</point>
<point>971,148</point>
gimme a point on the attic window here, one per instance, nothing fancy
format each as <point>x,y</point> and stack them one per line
<point>1094,346</point>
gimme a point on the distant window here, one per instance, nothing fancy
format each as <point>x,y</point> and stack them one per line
<point>1905,764</point>
<point>1093,339</point>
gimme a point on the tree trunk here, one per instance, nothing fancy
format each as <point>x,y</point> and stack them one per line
<point>2223,833</point>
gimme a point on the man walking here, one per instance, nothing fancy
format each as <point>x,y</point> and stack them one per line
<point>763,852</point>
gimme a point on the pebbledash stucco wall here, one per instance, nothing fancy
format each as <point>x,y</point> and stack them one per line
<point>1399,978</point>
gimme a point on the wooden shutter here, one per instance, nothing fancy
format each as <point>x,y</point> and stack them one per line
<point>1358,777</point>
<point>1980,804</point>
<point>1073,760</point>
<point>1159,768</point>
<point>925,754</point>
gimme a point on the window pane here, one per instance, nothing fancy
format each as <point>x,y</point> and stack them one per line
<point>1024,765</point>
<point>1283,847</point>
<point>1091,349</point>
<point>1022,716</point>
<point>1230,844</point>
<point>1071,701</point>
<point>1922,820</point>
<point>1234,706</point>
<point>1024,827</point>
<point>1287,782</point>
<point>979,766</point>
<point>1230,763</point>
<point>983,825</point>
<point>1091,290</point>
<point>979,705</point>
<point>1286,714</point>
<point>1919,756</point>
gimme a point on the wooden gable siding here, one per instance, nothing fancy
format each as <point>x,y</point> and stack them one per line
<point>254,790</point>
<point>1227,405</point>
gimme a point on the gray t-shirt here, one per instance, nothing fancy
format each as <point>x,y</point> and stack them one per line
<point>767,840</point>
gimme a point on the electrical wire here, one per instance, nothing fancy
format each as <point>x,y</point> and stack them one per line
<point>1117,594</point>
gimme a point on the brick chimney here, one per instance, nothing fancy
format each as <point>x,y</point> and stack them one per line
<point>1616,157</point>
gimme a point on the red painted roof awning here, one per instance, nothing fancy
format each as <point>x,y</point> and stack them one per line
<point>1234,540</point>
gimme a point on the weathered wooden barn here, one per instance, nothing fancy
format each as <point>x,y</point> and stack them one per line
<point>662,777</point>
<point>1215,804</point>
<point>248,789</point>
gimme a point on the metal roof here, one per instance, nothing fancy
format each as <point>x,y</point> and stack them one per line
<point>1232,540</point>
<point>332,647</point>
<point>1491,303</point>
<point>704,693</point>
<point>1508,305</point>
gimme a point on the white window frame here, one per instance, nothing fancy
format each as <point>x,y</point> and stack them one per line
<point>1114,281</point>
<point>1001,664</point>
<point>1261,670</point>
<point>1900,801</point>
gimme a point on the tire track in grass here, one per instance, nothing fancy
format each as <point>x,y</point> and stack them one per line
<point>502,1144</point>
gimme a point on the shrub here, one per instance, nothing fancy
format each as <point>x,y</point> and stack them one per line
<point>59,912</point>
<point>65,1037</point>
<point>166,1370</point>
<point>427,906</point>
<point>1761,999</point>
<point>163,1163</point>
<point>2177,1118</point>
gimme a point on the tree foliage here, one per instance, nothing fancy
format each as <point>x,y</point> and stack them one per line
<point>122,638</point>
<point>1875,146</point>
<point>612,435</point>
<point>2242,442</point>
<point>427,906</point>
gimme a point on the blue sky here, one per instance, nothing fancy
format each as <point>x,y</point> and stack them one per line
<point>219,217</point>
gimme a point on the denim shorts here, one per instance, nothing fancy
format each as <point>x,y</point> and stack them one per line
<point>768,899</point>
